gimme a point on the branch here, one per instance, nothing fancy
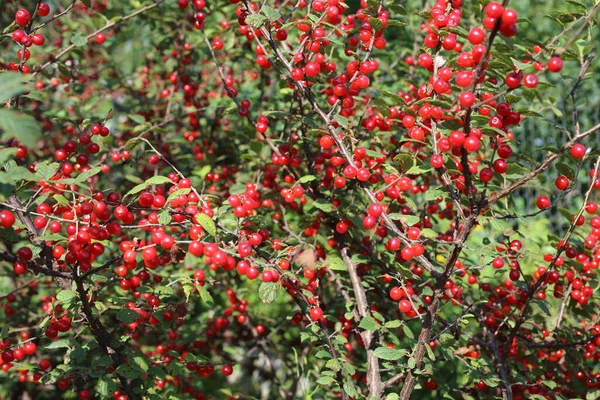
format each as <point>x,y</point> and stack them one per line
<point>373,374</point>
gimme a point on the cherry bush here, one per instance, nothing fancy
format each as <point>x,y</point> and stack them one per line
<point>236,199</point>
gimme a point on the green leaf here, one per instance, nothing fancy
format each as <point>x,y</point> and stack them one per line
<point>386,353</point>
<point>79,40</point>
<point>106,386</point>
<point>566,170</point>
<point>88,4</point>
<point>323,205</point>
<point>343,121</point>
<point>20,126</point>
<point>307,178</point>
<point>188,287</point>
<point>434,194</point>
<point>376,24</point>
<point>12,84</point>
<point>66,296</point>
<point>350,389</point>
<point>136,189</point>
<point>59,344</point>
<point>204,295</point>
<point>164,217</point>
<point>158,180</point>
<point>207,223</point>
<point>393,324</point>
<point>128,372</point>
<point>334,263</point>
<point>368,323</point>
<point>256,20</point>
<point>139,362</point>
<point>127,315</point>
<point>268,292</point>
<point>271,13</point>
<point>404,161</point>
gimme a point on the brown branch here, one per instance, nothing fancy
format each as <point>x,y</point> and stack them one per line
<point>373,374</point>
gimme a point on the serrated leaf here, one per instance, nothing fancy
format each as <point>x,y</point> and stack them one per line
<point>389,354</point>
<point>139,362</point>
<point>271,13</point>
<point>207,223</point>
<point>106,386</point>
<point>132,143</point>
<point>393,324</point>
<point>58,344</point>
<point>334,263</point>
<point>20,126</point>
<point>268,292</point>
<point>66,296</point>
<point>12,84</point>
<point>368,323</point>
<point>79,40</point>
<point>343,121</point>
<point>204,295</point>
<point>323,205</point>
<point>164,217</point>
<point>127,315</point>
<point>255,21</point>
<point>566,170</point>
<point>376,24</point>
<point>128,372</point>
<point>434,194</point>
<point>307,178</point>
<point>350,389</point>
<point>158,180</point>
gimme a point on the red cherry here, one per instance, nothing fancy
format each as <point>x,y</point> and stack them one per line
<point>555,64</point>
<point>22,17</point>
<point>578,150</point>
<point>316,313</point>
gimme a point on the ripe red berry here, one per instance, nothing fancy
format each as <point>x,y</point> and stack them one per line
<point>578,150</point>
<point>22,17</point>
<point>43,9</point>
<point>476,36</point>
<point>555,64</point>
<point>542,202</point>
<point>316,313</point>
<point>562,182</point>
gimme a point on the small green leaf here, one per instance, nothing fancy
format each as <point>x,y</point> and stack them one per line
<point>307,178</point>
<point>12,84</point>
<point>393,324</point>
<point>204,295</point>
<point>566,170</point>
<point>256,20</point>
<point>207,223</point>
<point>269,291</point>
<point>20,126</point>
<point>368,323</point>
<point>79,40</point>
<point>334,263</point>
<point>343,121</point>
<point>434,194</point>
<point>66,296</point>
<point>386,353</point>
<point>164,217</point>
<point>59,344</point>
<point>127,315</point>
<point>271,13</point>
<point>158,180</point>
